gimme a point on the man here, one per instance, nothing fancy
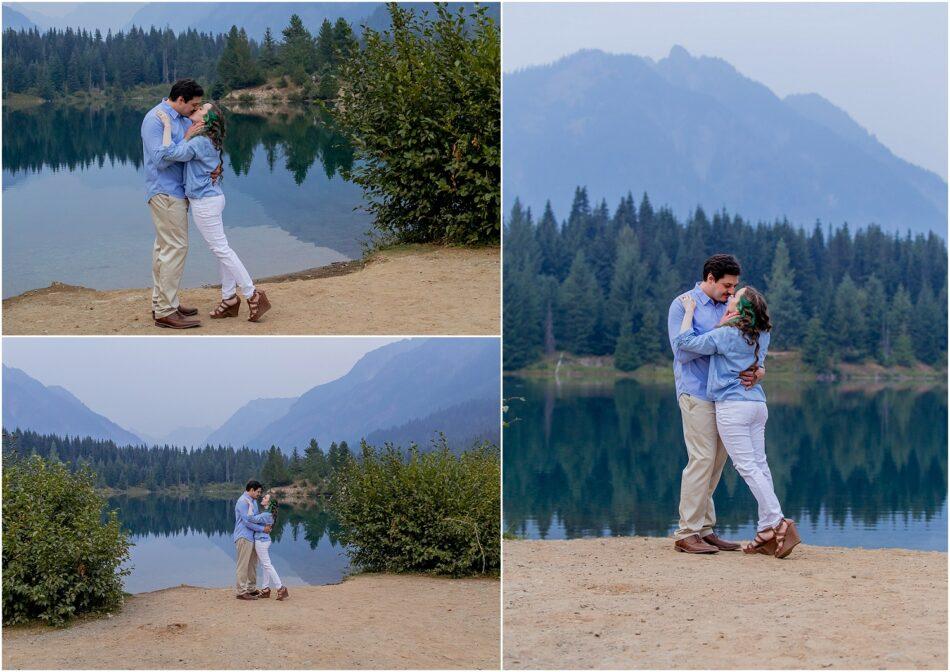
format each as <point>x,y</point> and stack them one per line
<point>243,537</point>
<point>165,185</point>
<point>704,448</point>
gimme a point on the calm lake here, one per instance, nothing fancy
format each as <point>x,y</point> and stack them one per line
<point>854,466</point>
<point>74,206</point>
<point>188,540</point>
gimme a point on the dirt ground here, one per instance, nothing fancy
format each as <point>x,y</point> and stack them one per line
<point>368,621</point>
<point>417,290</point>
<point>635,603</point>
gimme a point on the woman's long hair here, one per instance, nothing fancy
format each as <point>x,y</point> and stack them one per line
<point>753,318</point>
<point>216,128</point>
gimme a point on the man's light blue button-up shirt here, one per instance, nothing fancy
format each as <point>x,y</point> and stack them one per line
<point>691,370</point>
<point>244,526</point>
<point>730,354</point>
<point>161,175</point>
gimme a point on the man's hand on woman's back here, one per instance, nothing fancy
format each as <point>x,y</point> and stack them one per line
<point>752,376</point>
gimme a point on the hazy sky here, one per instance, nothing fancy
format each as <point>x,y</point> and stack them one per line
<point>884,64</point>
<point>155,385</point>
<point>102,15</point>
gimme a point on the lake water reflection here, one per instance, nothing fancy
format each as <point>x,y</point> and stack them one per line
<point>855,467</point>
<point>188,540</point>
<point>74,198</point>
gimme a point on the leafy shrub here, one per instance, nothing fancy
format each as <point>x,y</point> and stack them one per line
<point>59,558</point>
<point>329,87</point>
<point>421,512</point>
<point>246,99</point>
<point>421,103</point>
<point>311,90</point>
<point>282,83</point>
<point>298,75</point>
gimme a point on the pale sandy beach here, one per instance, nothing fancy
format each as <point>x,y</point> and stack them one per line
<point>416,290</point>
<point>635,603</point>
<point>368,621</point>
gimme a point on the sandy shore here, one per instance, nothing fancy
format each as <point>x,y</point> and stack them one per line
<point>415,290</point>
<point>369,621</point>
<point>635,603</point>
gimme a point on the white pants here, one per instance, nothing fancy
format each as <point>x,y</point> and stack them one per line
<point>207,215</point>
<point>742,428</point>
<point>263,554</point>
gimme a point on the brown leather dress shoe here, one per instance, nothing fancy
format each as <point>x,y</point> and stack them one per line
<point>264,594</point>
<point>282,593</point>
<point>721,544</point>
<point>693,544</point>
<point>176,321</point>
<point>189,312</point>
<point>246,596</point>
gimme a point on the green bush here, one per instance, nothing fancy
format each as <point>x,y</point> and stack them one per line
<point>311,90</point>
<point>59,558</point>
<point>421,512</point>
<point>421,103</point>
<point>329,87</point>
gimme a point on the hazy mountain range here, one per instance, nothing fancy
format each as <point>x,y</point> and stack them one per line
<point>213,17</point>
<point>16,20</point>
<point>28,404</point>
<point>405,391</point>
<point>203,16</point>
<point>694,131</point>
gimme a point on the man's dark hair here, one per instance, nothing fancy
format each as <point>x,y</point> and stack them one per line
<point>720,265</point>
<point>187,89</point>
<point>252,485</point>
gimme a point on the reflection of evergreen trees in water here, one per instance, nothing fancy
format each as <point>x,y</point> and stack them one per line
<point>171,516</point>
<point>609,460</point>
<point>60,136</point>
<point>310,523</point>
<point>299,140</point>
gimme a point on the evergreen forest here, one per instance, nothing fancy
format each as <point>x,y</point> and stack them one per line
<point>601,283</point>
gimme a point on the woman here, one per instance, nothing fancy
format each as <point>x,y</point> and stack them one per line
<point>740,343</point>
<point>202,154</point>
<point>262,542</point>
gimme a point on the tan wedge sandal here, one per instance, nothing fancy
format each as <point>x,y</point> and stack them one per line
<point>786,537</point>
<point>258,305</point>
<point>225,309</point>
<point>763,545</point>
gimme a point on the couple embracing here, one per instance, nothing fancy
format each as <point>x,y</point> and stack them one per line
<point>183,140</point>
<point>252,541</point>
<point>720,336</point>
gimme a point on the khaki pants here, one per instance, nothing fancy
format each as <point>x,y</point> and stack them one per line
<point>246,566</point>
<point>707,456</point>
<point>170,216</point>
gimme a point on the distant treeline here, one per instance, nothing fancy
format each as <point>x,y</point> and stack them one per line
<point>60,62</point>
<point>602,283</point>
<point>160,467</point>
